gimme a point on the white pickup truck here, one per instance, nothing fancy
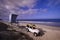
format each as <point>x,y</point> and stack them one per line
<point>34,30</point>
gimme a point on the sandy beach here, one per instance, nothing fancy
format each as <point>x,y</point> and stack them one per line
<point>51,33</point>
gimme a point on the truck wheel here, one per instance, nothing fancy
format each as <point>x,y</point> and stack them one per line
<point>27,30</point>
<point>35,34</point>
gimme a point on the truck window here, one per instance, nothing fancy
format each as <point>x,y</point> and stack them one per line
<point>30,27</point>
<point>27,25</point>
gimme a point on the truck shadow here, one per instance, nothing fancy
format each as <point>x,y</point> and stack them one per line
<point>41,33</point>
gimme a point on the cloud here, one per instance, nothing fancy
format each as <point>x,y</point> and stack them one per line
<point>53,3</point>
<point>22,3</point>
<point>35,11</point>
<point>43,10</point>
<point>21,7</point>
<point>32,13</point>
<point>15,6</point>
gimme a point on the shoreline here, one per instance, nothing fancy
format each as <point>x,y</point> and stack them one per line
<point>54,24</point>
<point>41,26</point>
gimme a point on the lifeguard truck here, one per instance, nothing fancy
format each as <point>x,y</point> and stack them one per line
<point>32,28</point>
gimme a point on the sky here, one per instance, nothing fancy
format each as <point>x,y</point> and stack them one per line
<point>30,9</point>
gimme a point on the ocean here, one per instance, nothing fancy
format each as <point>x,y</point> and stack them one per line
<point>48,22</point>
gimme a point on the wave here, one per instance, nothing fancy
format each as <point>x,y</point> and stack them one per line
<point>43,23</point>
<point>35,22</point>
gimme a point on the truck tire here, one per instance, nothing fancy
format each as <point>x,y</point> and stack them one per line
<point>27,30</point>
<point>35,34</point>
